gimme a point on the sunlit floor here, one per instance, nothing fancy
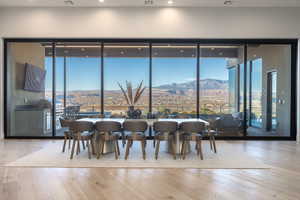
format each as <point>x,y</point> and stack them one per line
<point>280,182</point>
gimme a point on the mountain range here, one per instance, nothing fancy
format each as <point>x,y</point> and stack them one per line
<point>206,84</point>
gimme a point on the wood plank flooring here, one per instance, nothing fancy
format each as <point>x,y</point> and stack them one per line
<point>280,182</point>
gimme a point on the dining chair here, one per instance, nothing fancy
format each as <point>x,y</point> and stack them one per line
<point>212,131</point>
<point>192,131</point>
<point>68,136</point>
<point>82,131</point>
<point>165,131</point>
<point>107,131</point>
<point>137,130</point>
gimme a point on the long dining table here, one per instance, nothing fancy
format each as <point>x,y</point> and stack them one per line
<point>108,147</point>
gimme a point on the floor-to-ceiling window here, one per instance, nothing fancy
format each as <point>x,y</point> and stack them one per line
<point>150,79</point>
<point>126,80</point>
<point>29,89</point>
<point>174,81</point>
<point>219,94</point>
<point>270,89</point>
<point>77,81</point>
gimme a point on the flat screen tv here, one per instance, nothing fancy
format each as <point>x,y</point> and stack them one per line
<point>34,78</point>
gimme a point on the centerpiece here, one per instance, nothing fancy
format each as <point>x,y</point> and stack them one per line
<point>132,99</point>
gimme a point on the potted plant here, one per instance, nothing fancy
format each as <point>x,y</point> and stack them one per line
<point>132,98</point>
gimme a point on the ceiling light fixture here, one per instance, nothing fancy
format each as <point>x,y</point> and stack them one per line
<point>148,2</point>
<point>228,3</point>
<point>69,2</point>
<point>170,2</point>
<point>101,1</point>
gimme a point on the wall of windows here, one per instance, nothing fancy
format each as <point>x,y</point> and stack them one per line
<point>152,79</point>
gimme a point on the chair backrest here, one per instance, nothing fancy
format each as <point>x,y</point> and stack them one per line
<point>165,126</point>
<point>81,126</point>
<point>192,127</point>
<point>65,123</point>
<point>72,111</point>
<point>108,126</point>
<point>135,126</point>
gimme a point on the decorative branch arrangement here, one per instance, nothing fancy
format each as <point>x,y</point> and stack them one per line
<point>131,98</point>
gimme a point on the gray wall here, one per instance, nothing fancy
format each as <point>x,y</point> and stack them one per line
<point>148,22</point>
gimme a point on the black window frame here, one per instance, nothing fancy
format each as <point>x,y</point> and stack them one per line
<point>198,42</point>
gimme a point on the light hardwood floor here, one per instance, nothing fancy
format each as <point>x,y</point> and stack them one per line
<point>280,182</point>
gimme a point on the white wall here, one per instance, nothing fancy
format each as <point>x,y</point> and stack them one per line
<point>149,23</point>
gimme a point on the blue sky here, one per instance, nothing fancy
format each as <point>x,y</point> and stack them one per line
<point>84,73</point>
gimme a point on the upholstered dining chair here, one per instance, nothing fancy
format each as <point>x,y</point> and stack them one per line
<point>68,136</point>
<point>137,130</point>
<point>108,131</point>
<point>165,131</point>
<point>192,131</point>
<point>82,131</point>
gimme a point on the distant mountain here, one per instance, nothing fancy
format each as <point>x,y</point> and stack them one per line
<point>206,84</point>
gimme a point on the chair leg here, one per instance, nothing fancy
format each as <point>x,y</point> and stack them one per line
<point>116,149</point>
<point>78,146</point>
<point>123,139</point>
<point>83,146</point>
<point>143,144</point>
<point>64,145</point>
<point>210,142</point>
<point>99,148</point>
<point>173,148</point>
<point>70,139</point>
<point>184,149</point>
<point>127,148</point>
<point>93,146</point>
<point>153,143</point>
<point>157,149</point>
<point>200,148</point>
<point>214,143</point>
<point>88,143</point>
<point>73,148</point>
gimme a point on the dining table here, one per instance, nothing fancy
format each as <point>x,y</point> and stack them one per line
<point>109,147</point>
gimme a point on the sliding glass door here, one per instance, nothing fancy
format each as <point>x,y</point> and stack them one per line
<point>77,85</point>
<point>126,80</point>
<point>174,80</point>
<point>243,89</point>
<point>29,87</point>
<point>219,87</point>
<point>270,90</point>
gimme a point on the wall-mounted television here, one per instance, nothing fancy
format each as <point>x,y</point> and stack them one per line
<point>34,78</point>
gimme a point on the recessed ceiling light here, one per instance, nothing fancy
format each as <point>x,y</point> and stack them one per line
<point>170,2</point>
<point>228,3</point>
<point>101,1</point>
<point>69,2</point>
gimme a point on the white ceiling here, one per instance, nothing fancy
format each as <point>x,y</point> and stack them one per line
<point>157,3</point>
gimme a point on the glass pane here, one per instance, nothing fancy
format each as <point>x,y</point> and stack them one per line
<point>29,89</point>
<point>241,87</point>
<point>219,89</point>
<point>274,100</point>
<point>126,67</point>
<point>82,63</point>
<point>232,88</point>
<point>269,100</point>
<point>174,80</point>
<point>256,94</point>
